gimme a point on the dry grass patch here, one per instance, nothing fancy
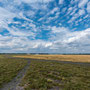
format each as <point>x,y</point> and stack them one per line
<point>73,58</point>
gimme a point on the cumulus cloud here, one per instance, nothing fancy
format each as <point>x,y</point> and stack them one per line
<point>78,40</point>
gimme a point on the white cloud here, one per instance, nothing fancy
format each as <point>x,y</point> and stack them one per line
<point>77,35</point>
<point>68,40</point>
<point>34,1</point>
<point>63,41</point>
<point>81,12</point>
<point>30,13</point>
<point>60,39</point>
<point>20,15</point>
<point>59,30</point>
<point>88,7</point>
<point>74,10</point>
<point>54,10</point>
<point>61,1</point>
<point>15,44</point>
<point>75,16</point>
<point>5,17</point>
<point>86,16</point>
<point>69,10</point>
<point>82,3</point>
<point>52,18</point>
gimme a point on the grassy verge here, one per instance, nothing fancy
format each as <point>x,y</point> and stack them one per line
<point>44,75</point>
<point>9,68</point>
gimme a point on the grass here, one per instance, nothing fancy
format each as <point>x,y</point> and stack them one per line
<point>44,75</point>
<point>73,58</point>
<point>9,68</point>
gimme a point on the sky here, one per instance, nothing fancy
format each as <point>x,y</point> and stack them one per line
<point>44,26</point>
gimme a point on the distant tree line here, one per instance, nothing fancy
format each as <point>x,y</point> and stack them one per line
<point>47,53</point>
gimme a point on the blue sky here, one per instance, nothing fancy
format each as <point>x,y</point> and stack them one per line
<point>45,26</point>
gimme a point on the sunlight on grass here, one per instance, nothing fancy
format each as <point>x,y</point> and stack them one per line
<point>43,75</point>
<point>9,68</point>
<point>73,58</point>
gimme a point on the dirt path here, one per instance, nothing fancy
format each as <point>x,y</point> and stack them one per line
<point>63,62</point>
<point>14,84</point>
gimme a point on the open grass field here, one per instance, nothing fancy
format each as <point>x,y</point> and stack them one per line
<point>46,75</point>
<point>73,58</point>
<point>47,72</point>
<point>9,68</point>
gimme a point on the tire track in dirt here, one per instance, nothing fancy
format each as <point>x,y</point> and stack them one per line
<point>14,84</point>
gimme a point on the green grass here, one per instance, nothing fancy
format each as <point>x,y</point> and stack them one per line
<point>9,68</point>
<point>44,75</point>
